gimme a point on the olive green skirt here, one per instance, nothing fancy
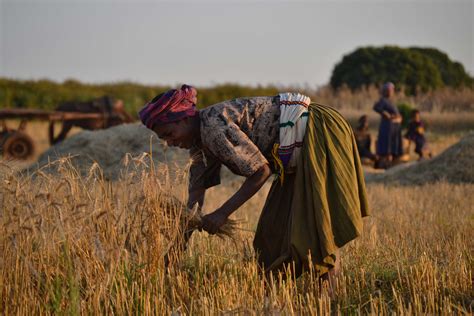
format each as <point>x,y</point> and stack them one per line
<point>319,208</point>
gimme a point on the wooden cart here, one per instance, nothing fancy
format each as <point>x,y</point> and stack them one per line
<point>17,144</point>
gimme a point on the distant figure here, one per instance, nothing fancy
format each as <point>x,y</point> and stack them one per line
<point>113,114</point>
<point>416,134</point>
<point>364,140</point>
<point>389,140</point>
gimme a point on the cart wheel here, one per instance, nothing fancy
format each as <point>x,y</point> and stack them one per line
<point>18,145</point>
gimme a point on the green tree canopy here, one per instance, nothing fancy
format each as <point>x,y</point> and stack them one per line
<point>452,73</point>
<point>414,68</point>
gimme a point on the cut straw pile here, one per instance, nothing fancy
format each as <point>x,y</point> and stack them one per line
<point>109,150</point>
<point>454,165</point>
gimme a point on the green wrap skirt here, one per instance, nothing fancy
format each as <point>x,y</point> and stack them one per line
<point>319,207</point>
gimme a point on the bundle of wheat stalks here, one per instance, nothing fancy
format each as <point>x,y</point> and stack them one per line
<point>193,219</point>
<point>188,221</point>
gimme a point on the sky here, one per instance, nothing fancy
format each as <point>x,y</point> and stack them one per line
<point>204,43</point>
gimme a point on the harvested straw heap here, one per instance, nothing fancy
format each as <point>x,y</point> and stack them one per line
<point>454,165</point>
<point>109,149</point>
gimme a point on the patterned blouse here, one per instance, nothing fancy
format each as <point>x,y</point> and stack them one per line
<point>240,134</point>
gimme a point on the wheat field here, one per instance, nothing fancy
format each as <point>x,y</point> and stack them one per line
<point>82,245</point>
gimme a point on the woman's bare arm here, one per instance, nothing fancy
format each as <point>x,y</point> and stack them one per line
<point>252,184</point>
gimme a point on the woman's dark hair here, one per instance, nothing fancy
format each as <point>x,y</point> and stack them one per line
<point>362,121</point>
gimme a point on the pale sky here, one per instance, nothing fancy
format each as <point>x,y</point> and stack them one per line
<point>207,42</point>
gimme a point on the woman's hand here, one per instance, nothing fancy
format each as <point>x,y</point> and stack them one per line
<point>213,221</point>
<point>397,119</point>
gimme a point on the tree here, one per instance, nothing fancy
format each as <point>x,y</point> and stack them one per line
<point>452,73</point>
<point>414,68</point>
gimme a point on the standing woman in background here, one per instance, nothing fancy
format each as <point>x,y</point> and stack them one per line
<point>315,205</point>
<point>389,140</point>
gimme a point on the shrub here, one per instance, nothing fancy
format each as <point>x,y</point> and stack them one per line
<point>417,69</point>
<point>405,110</point>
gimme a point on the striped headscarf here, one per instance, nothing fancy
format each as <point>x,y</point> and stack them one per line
<point>171,106</point>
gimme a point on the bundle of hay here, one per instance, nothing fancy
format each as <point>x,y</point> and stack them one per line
<point>454,165</point>
<point>109,150</point>
<point>186,221</point>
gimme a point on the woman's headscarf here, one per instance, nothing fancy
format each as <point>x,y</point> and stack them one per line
<point>386,87</point>
<point>170,106</point>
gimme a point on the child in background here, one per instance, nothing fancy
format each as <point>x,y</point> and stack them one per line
<point>416,133</point>
<point>364,140</point>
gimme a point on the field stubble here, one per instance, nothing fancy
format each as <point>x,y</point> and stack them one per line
<point>75,244</point>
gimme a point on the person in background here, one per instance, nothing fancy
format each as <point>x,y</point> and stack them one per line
<point>416,134</point>
<point>389,141</point>
<point>318,198</point>
<point>364,140</point>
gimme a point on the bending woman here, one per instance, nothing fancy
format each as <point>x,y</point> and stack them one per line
<point>316,203</point>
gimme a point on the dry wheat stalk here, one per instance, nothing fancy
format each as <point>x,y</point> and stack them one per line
<point>187,220</point>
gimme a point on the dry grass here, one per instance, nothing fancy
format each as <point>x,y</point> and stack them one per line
<point>82,245</point>
<point>436,123</point>
<point>75,244</point>
<point>438,101</point>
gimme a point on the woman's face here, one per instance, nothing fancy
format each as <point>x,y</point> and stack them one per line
<point>417,117</point>
<point>177,134</point>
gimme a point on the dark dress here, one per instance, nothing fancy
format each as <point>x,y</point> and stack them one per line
<point>415,133</point>
<point>317,209</point>
<point>389,141</point>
